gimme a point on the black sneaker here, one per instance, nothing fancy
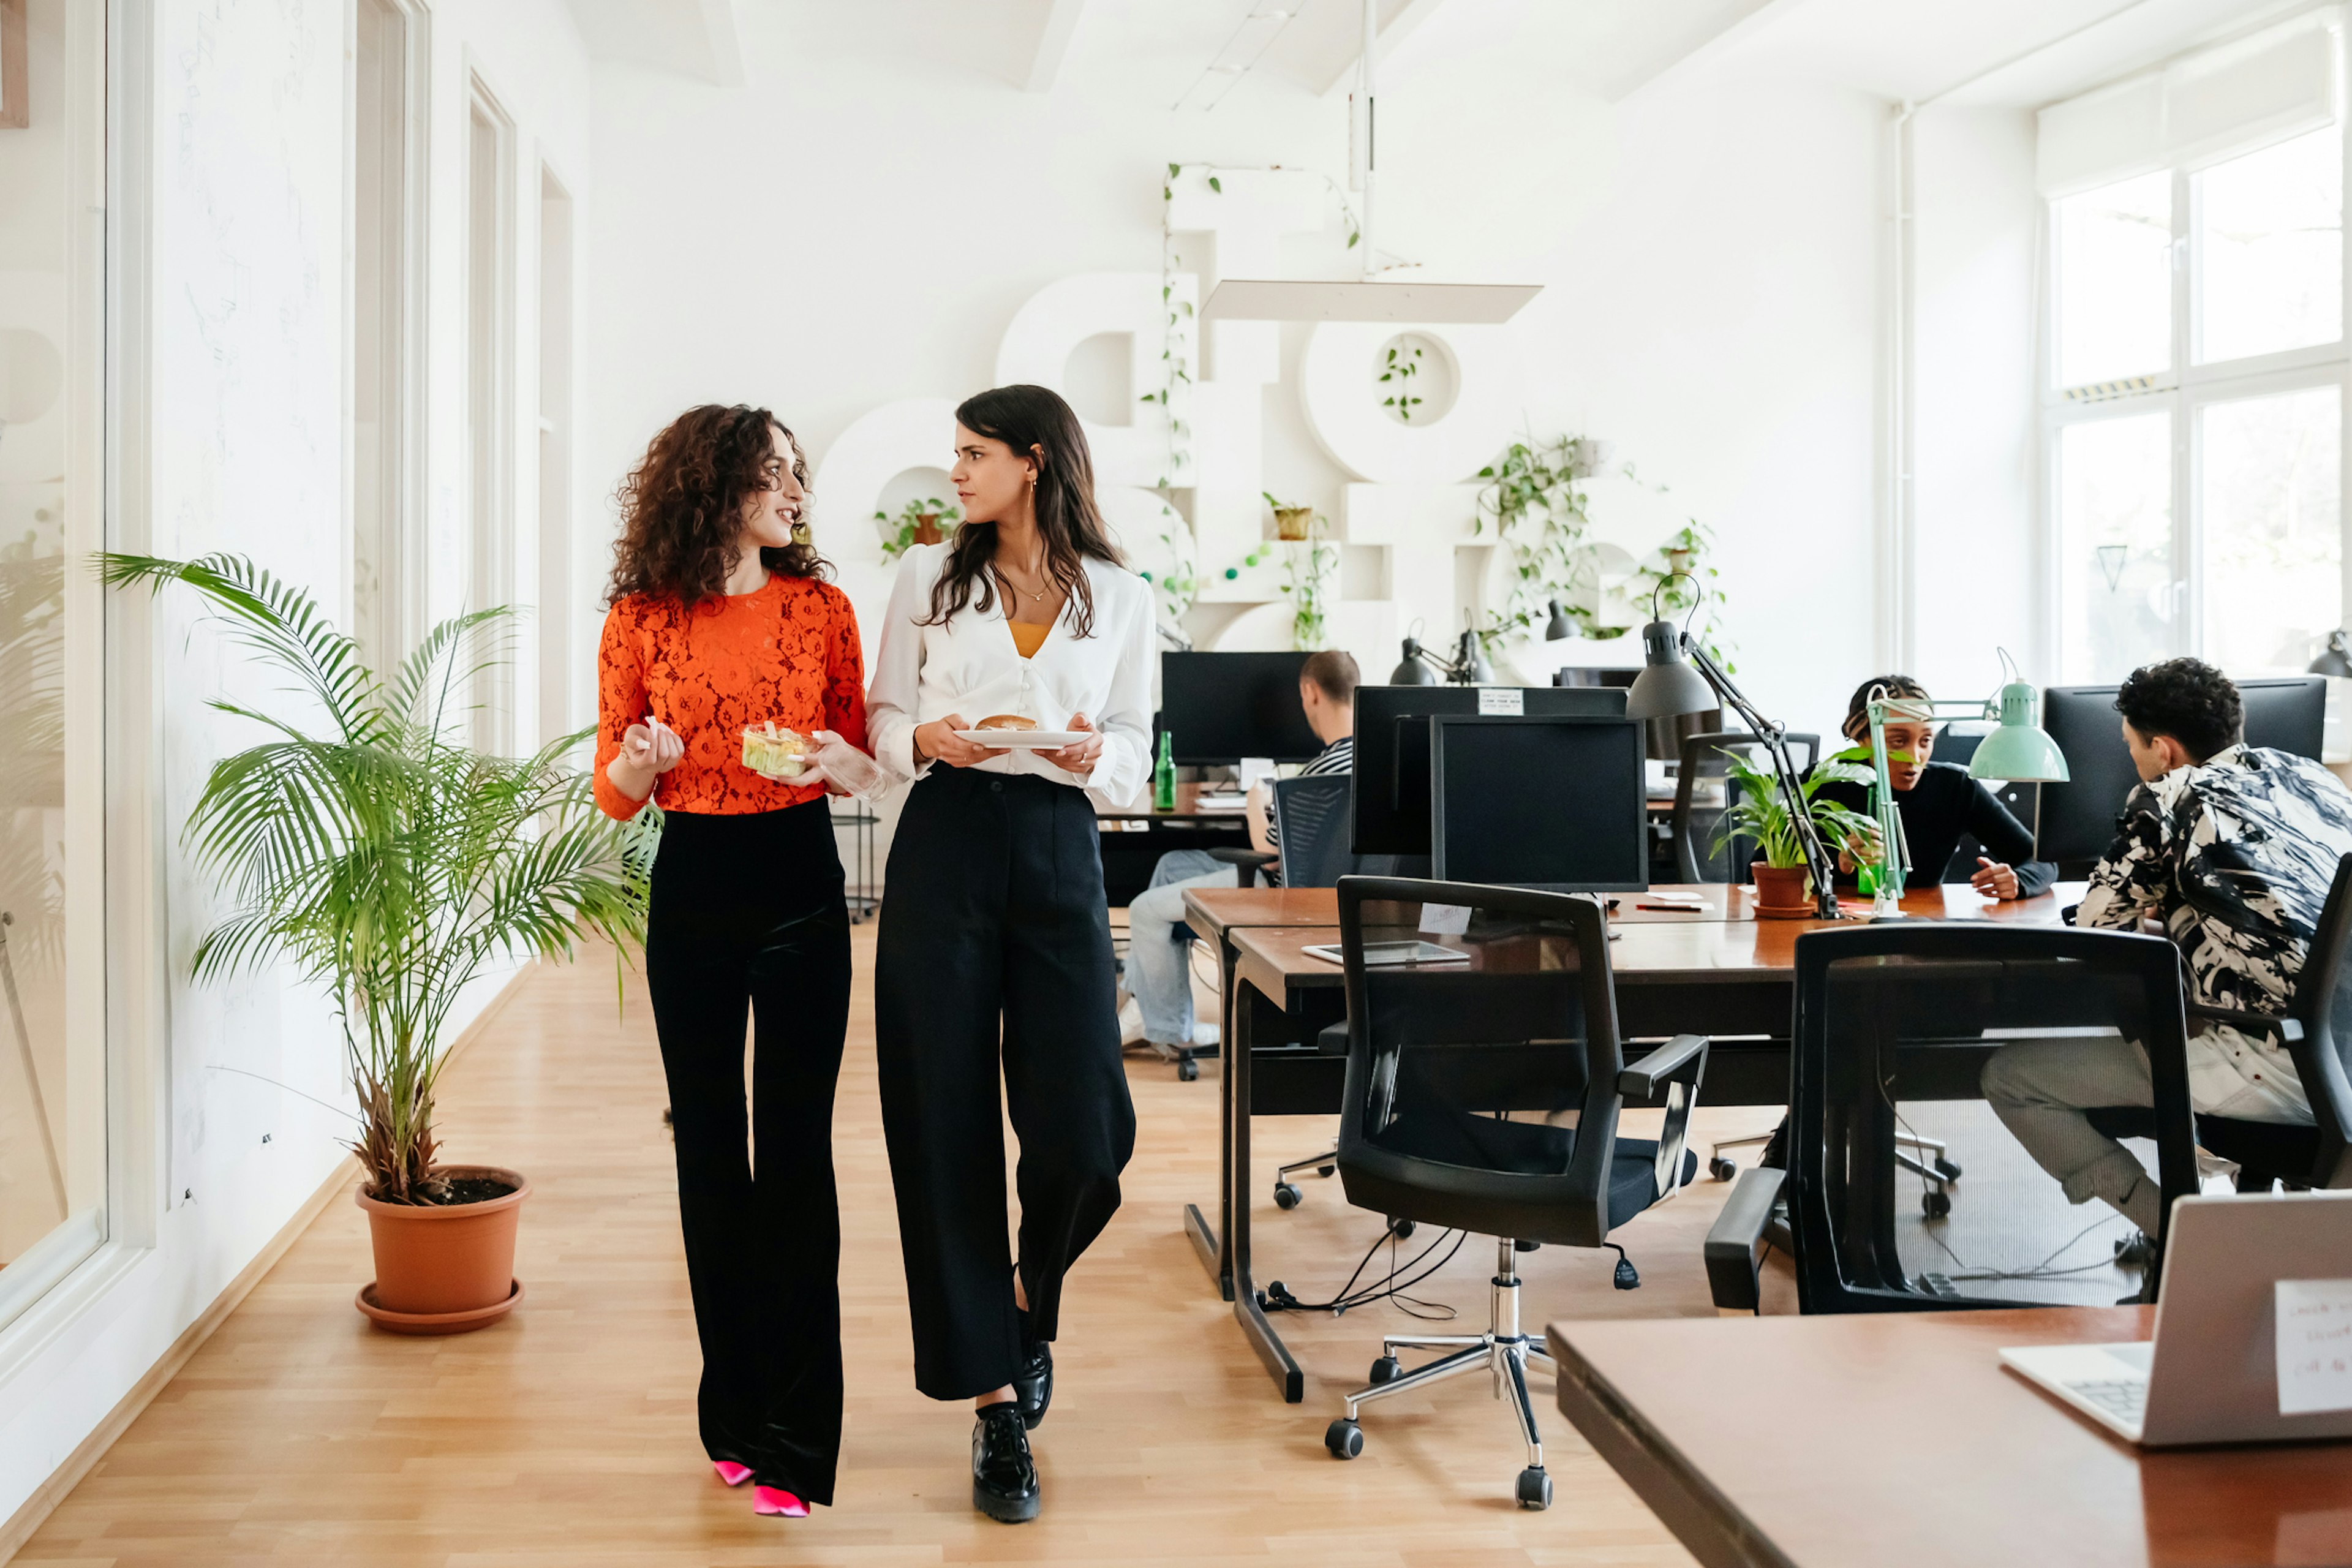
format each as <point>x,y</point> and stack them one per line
<point>1033,1385</point>
<point>1003,1477</point>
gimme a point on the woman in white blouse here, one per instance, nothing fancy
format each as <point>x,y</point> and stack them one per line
<point>994,925</point>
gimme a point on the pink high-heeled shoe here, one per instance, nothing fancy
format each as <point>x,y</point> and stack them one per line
<point>733,1474</point>
<point>777,1501</point>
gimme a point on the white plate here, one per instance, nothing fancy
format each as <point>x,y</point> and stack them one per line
<point>1022,740</point>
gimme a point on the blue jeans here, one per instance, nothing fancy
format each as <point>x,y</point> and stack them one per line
<point>1159,952</point>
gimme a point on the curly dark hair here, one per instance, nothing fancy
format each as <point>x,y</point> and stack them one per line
<point>682,505</point>
<point>1857,721</point>
<point>2187,699</point>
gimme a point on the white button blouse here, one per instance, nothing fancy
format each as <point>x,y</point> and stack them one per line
<point>971,666</point>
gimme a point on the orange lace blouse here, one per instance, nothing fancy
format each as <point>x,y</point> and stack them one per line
<point>788,652</point>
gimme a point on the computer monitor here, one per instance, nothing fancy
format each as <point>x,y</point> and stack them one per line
<point>1554,804</point>
<point>1595,675</point>
<point>1222,707</point>
<point>2286,713</point>
<point>1392,806</point>
<point>2077,821</point>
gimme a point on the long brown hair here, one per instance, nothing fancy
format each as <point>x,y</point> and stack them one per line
<point>1067,518</point>
<point>682,505</point>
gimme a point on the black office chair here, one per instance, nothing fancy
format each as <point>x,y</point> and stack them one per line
<point>2316,1030</point>
<point>1901,1009</point>
<point>1432,1047</point>
<point>1698,856</point>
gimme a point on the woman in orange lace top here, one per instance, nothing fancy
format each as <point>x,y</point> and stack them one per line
<point>722,620</point>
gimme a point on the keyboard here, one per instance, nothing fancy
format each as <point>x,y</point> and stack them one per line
<point>2125,1398</point>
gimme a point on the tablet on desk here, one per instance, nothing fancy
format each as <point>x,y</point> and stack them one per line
<point>1380,954</point>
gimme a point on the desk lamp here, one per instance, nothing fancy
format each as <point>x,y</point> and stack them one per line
<point>1669,685</point>
<point>2019,752</point>
<point>1468,667</point>
<point>2336,660</point>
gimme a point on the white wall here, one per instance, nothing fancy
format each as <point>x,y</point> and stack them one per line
<point>861,221</point>
<point>1977,554</point>
<point>247,301</point>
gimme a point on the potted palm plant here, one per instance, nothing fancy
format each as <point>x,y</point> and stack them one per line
<point>1757,811</point>
<point>369,847</point>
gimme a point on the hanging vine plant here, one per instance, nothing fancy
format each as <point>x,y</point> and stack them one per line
<point>1308,569</point>
<point>1533,501</point>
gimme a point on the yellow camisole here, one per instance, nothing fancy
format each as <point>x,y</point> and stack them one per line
<point>1028,638</point>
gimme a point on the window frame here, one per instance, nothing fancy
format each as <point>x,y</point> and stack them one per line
<point>2185,388</point>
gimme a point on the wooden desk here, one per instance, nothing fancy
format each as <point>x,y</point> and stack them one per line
<point>1722,973</point>
<point>1899,1438</point>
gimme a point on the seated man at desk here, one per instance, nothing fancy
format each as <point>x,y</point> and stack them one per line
<point>2230,849</point>
<point>1158,948</point>
<point>1940,805</point>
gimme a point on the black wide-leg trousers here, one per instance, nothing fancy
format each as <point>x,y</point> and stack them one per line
<point>747,911</point>
<point>994,962</point>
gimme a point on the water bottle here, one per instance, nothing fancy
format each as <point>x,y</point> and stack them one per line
<point>1163,774</point>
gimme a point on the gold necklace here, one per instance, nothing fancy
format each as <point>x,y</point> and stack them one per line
<point>1038,595</point>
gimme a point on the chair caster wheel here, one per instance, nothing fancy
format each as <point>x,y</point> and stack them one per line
<point>1534,1488</point>
<point>1344,1438</point>
<point>1402,1230</point>
<point>1286,1197</point>
<point>1187,1071</point>
<point>1327,1170</point>
<point>1935,1202</point>
<point>1946,1169</point>
<point>1387,1369</point>
<point>1721,1169</point>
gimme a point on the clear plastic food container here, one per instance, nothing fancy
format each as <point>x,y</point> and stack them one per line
<point>780,753</point>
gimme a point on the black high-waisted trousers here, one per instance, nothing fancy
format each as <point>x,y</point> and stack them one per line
<point>993,930</point>
<point>748,909</point>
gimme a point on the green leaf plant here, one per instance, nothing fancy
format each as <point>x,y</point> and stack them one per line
<point>900,534</point>
<point>368,847</point>
<point>1757,811</point>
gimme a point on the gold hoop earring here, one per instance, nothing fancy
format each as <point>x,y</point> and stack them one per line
<point>799,534</point>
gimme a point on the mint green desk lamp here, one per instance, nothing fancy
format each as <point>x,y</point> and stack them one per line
<point>2019,752</point>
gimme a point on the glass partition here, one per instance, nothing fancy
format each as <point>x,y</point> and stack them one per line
<point>52,1028</point>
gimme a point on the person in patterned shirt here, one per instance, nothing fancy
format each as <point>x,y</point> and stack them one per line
<point>2230,848</point>
<point>722,620</point>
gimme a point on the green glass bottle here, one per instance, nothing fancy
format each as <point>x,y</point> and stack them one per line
<point>1163,774</point>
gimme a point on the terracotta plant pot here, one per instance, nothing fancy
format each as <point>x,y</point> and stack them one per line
<point>927,528</point>
<point>445,1269</point>
<point>1294,521</point>
<point>1780,891</point>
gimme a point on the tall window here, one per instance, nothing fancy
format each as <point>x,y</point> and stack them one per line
<point>489,398</point>
<point>53,1155</point>
<point>385,578</point>
<point>2196,397</point>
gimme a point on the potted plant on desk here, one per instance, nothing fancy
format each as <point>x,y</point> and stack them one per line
<point>372,850</point>
<point>1757,811</point>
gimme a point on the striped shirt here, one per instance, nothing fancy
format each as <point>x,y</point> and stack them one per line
<point>1338,757</point>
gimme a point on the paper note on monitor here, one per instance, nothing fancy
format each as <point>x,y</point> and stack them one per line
<point>2314,1345</point>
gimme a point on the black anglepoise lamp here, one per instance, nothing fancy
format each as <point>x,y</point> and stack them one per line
<point>1468,667</point>
<point>1560,628</point>
<point>1678,676</point>
<point>2336,660</point>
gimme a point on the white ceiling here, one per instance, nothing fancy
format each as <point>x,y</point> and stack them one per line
<point>2018,53</point>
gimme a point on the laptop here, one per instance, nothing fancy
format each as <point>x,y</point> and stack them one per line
<point>2209,1374</point>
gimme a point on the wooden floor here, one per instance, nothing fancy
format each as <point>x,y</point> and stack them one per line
<point>565,1435</point>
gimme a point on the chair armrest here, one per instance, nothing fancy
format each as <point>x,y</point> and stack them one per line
<point>1734,1250</point>
<point>2288,1030</point>
<point>1682,1060</point>
<point>1332,1041</point>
